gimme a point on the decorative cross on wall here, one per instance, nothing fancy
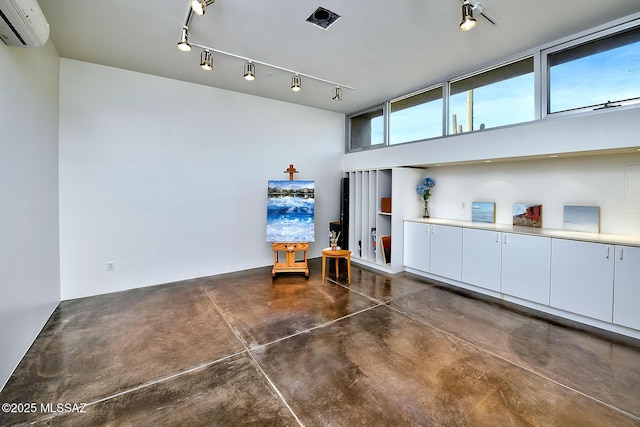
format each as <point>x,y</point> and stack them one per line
<point>291,170</point>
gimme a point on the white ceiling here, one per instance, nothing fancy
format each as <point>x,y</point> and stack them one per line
<point>381,48</point>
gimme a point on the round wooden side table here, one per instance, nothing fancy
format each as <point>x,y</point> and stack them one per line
<point>336,255</point>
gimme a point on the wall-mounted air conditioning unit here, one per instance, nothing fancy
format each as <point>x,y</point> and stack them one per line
<point>22,23</point>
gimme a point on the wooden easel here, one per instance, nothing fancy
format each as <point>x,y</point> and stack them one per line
<point>290,265</point>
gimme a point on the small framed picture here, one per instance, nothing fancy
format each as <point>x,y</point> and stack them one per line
<point>528,215</point>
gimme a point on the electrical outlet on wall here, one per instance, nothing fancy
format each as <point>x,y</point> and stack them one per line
<point>463,205</point>
<point>111,265</point>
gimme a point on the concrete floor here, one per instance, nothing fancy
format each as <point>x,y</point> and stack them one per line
<point>241,349</point>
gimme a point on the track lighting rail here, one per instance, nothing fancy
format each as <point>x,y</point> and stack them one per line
<point>266,64</point>
<point>185,44</point>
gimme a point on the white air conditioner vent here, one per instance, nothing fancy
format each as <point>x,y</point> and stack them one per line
<point>22,23</point>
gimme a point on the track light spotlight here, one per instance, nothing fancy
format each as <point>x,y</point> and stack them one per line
<point>249,71</point>
<point>337,94</point>
<point>198,6</point>
<point>206,60</point>
<point>295,83</point>
<point>183,44</point>
<point>468,21</point>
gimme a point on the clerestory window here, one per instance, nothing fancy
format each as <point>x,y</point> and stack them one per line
<point>501,96</point>
<point>600,73</point>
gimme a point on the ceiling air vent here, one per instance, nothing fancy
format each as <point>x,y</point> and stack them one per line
<point>323,18</point>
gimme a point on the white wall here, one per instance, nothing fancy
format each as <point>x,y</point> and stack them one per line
<point>597,180</point>
<point>554,182</point>
<point>29,245</point>
<point>168,179</point>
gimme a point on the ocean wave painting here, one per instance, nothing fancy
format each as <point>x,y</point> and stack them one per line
<point>290,211</point>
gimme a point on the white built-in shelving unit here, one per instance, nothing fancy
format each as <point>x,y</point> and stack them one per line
<point>367,188</point>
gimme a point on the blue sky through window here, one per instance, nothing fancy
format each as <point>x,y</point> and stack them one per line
<point>497,104</point>
<point>613,75</point>
<point>419,122</point>
<point>377,130</point>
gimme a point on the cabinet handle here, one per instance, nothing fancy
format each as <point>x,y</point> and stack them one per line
<point>505,239</point>
<point>497,238</point>
<point>621,249</point>
<point>607,252</point>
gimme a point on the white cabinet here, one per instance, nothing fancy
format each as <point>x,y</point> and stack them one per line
<point>626,291</point>
<point>417,245</point>
<point>582,278</point>
<point>481,258</point>
<point>526,266</point>
<point>514,264</point>
<point>446,251</point>
<point>594,281</point>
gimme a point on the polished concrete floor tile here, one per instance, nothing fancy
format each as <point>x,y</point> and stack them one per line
<point>94,347</point>
<point>381,368</point>
<point>230,392</point>
<point>605,369</point>
<point>382,287</point>
<point>263,312</point>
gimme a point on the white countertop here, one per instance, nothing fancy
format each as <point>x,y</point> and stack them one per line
<point>613,239</point>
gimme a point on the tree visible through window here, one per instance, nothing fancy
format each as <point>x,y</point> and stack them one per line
<point>498,97</point>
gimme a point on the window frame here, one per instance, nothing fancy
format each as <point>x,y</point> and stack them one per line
<point>385,124</point>
<point>581,39</point>
<point>519,58</point>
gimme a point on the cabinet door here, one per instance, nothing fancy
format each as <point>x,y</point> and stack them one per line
<point>446,251</point>
<point>582,278</point>
<point>626,287</point>
<point>481,258</point>
<point>526,267</point>
<point>417,245</point>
